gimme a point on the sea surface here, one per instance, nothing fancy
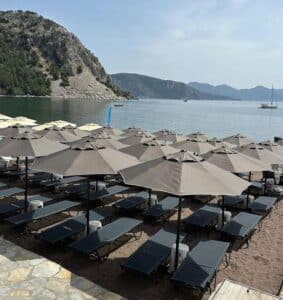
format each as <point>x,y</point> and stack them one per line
<point>216,118</point>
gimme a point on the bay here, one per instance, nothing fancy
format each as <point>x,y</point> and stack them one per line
<point>216,118</point>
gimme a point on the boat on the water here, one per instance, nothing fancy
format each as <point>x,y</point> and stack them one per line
<point>272,104</point>
<point>118,104</point>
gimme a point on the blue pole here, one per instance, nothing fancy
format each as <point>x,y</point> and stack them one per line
<point>109,116</point>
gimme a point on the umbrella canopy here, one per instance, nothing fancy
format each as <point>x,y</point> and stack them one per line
<point>89,126</point>
<point>194,145</point>
<point>184,174</point>
<point>17,121</point>
<point>273,147</point>
<point>108,130</point>
<point>103,140</point>
<point>59,124</point>
<point>169,136</point>
<point>30,145</point>
<point>259,152</point>
<point>217,143</point>
<point>14,130</point>
<point>131,131</point>
<point>149,150</point>
<point>137,138</point>
<point>233,161</point>
<point>199,136</point>
<point>4,117</point>
<point>75,131</point>
<point>86,159</point>
<point>55,133</point>
<point>238,140</point>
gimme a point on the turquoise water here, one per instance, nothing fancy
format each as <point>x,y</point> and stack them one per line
<point>217,118</point>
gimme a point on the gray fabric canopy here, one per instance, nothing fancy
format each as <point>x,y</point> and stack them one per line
<point>198,146</point>
<point>131,131</point>
<point>102,140</point>
<point>184,174</point>
<point>149,150</point>
<point>259,152</point>
<point>14,130</point>
<point>137,138</point>
<point>169,136</point>
<point>108,130</point>
<point>75,131</point>
<point>233,161</point>
<point>238,140</point>
<point>86,158</point>
<point>55,133</point>
<point>273,147</point>
<point>217,143</point>
<point>199,136</point>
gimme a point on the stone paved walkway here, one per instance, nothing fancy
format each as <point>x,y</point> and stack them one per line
<point>26,275</point>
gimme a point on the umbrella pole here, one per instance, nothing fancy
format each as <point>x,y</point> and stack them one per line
<point>178,232</point>
<point>18,163</point>
<point>96,185</point>
<point>248,191</point>
<point>149,198</point>
<point>26,184</point>
<point>87,206</point>
<point>222,211</point>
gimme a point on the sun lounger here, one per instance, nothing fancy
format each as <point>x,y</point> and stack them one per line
<point>21,172</point>
<point>163,210</point>
<point>204,218</point>
<point>262,205</point>
<point>3,185</point>
<point>132,203</point>
<point>37,178</point>
<point>71,226</point>
<point>241,226</point>
<point>101,196</point>
<point>41,213</point>
<point>101,243</point>
<point>233,201</point>
<point>152,254</point>
<point>62,182</point>
<point>16,206</point>
<point>200,266</point>
<point>13,191</point>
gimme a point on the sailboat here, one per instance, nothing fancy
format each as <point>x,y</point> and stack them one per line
<point>272,104</point>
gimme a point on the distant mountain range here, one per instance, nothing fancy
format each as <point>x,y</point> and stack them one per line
<point>260,93</point>
<point>142,86</point>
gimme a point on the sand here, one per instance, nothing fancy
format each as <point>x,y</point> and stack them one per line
<point>260,265</point>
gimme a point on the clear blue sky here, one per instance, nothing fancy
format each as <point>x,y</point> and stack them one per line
<point>238,42</point>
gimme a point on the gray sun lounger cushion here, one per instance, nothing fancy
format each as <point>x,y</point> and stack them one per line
<point>3,185</point>
<point>105,236</point>
<point>201,265</point>
<point>20,204</point>
<point>71,226</point>
<point>13,191</point>
<point>107,192</point>
<point>203,217</point>
<point>41,213</point>
<point>232,201</point>
<point>64,181</point>
<point>162,208</point>
<point>262,204</point>
<point>132,202</point>
<point>241,225</point>
<point>152,254</point>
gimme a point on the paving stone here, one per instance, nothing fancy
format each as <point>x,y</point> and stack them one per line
<point>19,274</point>
<point>19,293</point>
<point>45,269</point>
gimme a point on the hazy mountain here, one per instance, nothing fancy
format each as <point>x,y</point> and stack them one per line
<point>41,57</point>
<point>260,93</point>
<point>142,86</point>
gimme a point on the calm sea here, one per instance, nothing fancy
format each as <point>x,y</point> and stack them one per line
<point>217,118</point>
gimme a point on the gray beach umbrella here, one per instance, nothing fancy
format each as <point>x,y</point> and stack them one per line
<point>102,140</point>
<point>217,143</point>
<point>183,174</point>
<point>85,159</point>
<point>55,133</point>
<point>149,150</point>
<point>169,136</point>
<point>108,130</point>
<point>28,145</point>
<point>273,147</point>
<point>131,131</point>
<point>14,130</point>
<point>198,146</point>
<point>233,161</point>
<point>199,136</point>
<point>238,140</point>
<point>137,138</point>
<point>259,152</point>
<point>75,131</point>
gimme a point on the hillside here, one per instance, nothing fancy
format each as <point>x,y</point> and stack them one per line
<point>142,86</point>
<point>40,57</point>
<point>259,93</point>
